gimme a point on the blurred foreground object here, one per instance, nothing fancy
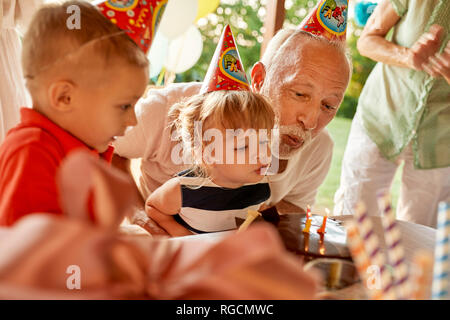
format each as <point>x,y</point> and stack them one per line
<point>72,258</point>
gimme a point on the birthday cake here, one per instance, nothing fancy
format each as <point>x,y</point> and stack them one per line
<point>310,245</point>
<point>318,250</point>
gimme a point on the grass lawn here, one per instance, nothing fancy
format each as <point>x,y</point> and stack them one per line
<point>339,129</point>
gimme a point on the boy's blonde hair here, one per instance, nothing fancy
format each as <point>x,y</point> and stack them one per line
<point>49,40</point>
<point>222,109</point>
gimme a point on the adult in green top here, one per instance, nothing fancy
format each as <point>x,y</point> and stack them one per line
<point>403,113</point>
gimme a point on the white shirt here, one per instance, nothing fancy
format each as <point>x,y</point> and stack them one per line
<point>14,16</point>
<point>150,140</point>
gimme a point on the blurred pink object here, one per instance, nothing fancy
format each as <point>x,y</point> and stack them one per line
<point>39,254</point>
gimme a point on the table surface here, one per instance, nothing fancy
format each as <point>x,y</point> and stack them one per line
<point>414,238</point>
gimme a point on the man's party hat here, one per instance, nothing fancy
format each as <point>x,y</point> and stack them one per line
<point>328,19</point>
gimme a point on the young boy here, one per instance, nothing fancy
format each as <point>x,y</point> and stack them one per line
<point>84,84</point>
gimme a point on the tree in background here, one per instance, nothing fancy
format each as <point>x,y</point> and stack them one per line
<point>246,18</point>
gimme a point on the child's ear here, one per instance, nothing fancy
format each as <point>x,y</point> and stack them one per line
<point>61,94</point>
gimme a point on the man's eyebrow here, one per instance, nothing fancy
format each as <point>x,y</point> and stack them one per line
<point>303,84</point>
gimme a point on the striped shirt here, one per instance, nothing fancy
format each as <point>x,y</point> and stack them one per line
<point>207,207</point>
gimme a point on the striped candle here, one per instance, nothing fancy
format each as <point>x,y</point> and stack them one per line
<point>360,257</point>
<point>373,249</point>
<point>396,253</point>
<point>421,274</point>
<point>440,288</point>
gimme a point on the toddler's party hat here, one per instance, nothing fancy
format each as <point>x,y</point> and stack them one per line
<point>328,19</point>
<point>225,71</point>
<point>138,18</point>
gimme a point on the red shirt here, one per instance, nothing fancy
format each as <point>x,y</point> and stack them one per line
<point>29,159</point>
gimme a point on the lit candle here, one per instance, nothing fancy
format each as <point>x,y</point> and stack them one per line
<point>324,222</point>
<point>307,226</point>
<point>308,211</point>
<point>308,219</point>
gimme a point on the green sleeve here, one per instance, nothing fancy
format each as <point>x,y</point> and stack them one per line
<point>400,6</point>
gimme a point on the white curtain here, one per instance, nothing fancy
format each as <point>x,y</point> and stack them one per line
<point>14,18</point>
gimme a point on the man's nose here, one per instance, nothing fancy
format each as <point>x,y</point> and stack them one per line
<point>309,118</point>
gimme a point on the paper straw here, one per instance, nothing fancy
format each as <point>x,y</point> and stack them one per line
<point>373,249</point>
<point>251,215</point>
<point>440,288</point>
<point>422,275</point>
<point>396,253</point>
<point>360,257</point>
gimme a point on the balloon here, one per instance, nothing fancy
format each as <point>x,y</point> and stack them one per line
<point>184,51</point>
<point>158,54</point>
<point>177,17</point>
<point>205,7</point>
<point>363,10</point>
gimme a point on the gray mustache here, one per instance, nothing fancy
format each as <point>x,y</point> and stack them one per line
<point>296,131</point>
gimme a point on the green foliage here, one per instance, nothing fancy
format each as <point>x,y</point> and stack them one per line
<point>362,67</point>
<point>348,107</point>
<point>246,24</point>
<point>246,19</point>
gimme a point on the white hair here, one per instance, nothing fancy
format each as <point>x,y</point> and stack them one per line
<point>279,49</point>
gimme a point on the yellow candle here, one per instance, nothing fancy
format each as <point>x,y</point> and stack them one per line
<point>308,219</point>
<point>324,222</point>
<point>307,226</point>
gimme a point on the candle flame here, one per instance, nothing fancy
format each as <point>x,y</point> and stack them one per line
<point>327,212</point>
<point>308,211</point>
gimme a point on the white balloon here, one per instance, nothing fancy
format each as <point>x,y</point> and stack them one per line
<point>158,53</point>
<point>184,51</point>
<point>178,16</point>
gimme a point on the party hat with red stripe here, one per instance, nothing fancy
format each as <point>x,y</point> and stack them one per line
<point>138,18</point>
<point>225,71</point>
<point>328,19</point>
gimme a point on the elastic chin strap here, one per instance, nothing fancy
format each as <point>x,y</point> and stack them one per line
<point>73,54</point>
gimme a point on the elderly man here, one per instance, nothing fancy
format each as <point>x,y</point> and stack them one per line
<point>305,77</point>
